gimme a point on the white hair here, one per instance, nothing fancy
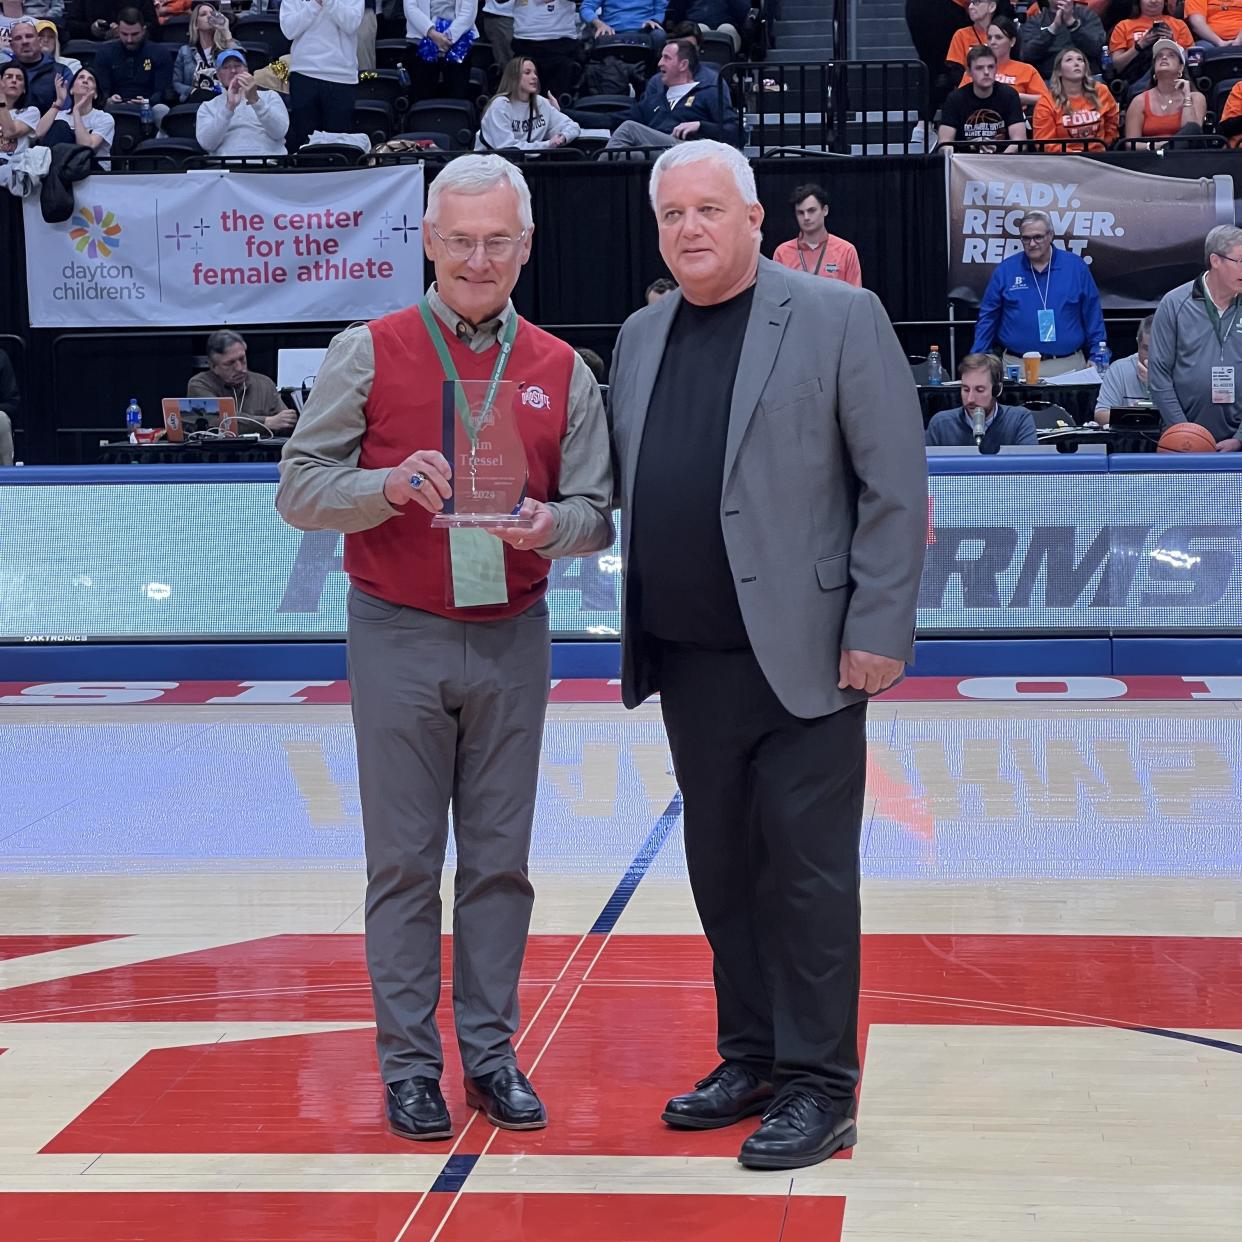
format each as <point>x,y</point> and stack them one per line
<point>707,150</point>
<point>476,174</point>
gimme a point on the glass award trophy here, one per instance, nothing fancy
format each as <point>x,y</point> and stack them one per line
<point>484,447</point>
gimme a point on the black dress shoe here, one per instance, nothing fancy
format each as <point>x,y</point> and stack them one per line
<point>507,1100</point>
<point>729,1093</point>
<point>416,1110</point>
<point>799,1129</point>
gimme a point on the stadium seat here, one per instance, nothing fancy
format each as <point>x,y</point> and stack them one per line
<point>455,117</point>
<point>261,28</point>
<point>391,53</point>
<point>176,151</point>
<point>258,55</point>
<point>174,30</point>
<point>181,121</point>
<point>386,86</point>
<point>605,105</point>
<point>84,50</point>
<point>716,48</point>
<point>372,117</point>
<point>326,155</point>
<point>129,130</point>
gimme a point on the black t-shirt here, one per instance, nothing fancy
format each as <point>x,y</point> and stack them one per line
<point>679,569</point>
<point>982,120</point>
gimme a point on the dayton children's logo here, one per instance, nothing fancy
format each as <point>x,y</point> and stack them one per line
<point>96,232</point>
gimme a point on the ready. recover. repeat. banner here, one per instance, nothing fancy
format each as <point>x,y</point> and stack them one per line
<point>1142,234</point>
<point>206,248</point>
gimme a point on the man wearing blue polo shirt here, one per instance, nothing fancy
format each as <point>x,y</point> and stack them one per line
<point>1044,300</point>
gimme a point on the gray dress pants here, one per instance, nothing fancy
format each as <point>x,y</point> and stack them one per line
<point>446,712</point>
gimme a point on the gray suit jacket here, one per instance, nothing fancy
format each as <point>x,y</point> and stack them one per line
<point>824,497</point>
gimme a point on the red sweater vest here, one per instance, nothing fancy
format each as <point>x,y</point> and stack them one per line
<point>406,560</point>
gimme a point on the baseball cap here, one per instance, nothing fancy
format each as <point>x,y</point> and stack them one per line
<point>1161,45</point>
<point>43,24</point>
<point>230,53</point>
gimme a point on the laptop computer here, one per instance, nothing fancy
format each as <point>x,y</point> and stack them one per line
<point>184,416</point>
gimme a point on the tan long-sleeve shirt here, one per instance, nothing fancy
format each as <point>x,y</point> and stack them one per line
<point>323,488</point>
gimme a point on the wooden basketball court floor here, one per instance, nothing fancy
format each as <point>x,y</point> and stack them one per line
<point>1052,990</point>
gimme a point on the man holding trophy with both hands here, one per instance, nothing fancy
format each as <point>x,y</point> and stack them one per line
<point>772,481</point>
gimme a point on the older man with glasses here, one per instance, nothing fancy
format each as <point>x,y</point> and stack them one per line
<point>448,630</point>
<point>1042,301</point>
<point>42,71</point>
<point>1195,358</point>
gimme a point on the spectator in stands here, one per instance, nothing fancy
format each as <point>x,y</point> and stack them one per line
<point>17,118</point>
<point>1077,108</point>
<point>981,377</point>
<point>10,402</point>
<point>659,288</point>
<point>816,251</point>
<point>75,117</point>
<point>440,37</point>
<point>725,16</point>
<point>932,25</point>
<point>706,75</point>
<point>368,28</point>
<point>981,14</point>
<point>1133,38</point>
<point>1043,300</point>
<point>243,120</point>
<point>96,19</point>
<point>685,111</point>
<point>518,117</point>
<point>984,113</point>
<point>1195,359</point>
<point>1125,382</point>
<point>134,70</point>
<point>49,44</point>
<point>636,23</point>
<point>1232,111</point>
<point>194,74</point>
<point>1216,25</point>
<point>496,19</point>
<point>323,65</point>
<point>595,364</point>
<point>1061,24</point>
<point>164,9</point>
<point>44,10</point>
<point>547,33</point>
<point>1170,105</point>
<point>227,376</point>
<point>1002,38</point>
<point>42,72</point>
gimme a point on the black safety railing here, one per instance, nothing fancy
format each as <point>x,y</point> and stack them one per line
<point>840,107</point>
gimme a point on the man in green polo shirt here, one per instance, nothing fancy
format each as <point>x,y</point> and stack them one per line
<point>1194,364</point>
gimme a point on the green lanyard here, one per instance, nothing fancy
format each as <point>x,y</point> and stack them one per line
<point>471,425</point>
<point>1215,318</point>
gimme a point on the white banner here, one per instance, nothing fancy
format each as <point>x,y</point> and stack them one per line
<point>200,249</point>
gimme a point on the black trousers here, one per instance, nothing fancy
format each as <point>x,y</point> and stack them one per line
<point>316,104</point>
<point>773,818</point>
<point>555,60</point>
<point>437,79</point>
<point>932,25</point>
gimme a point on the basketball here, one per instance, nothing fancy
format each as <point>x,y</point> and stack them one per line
<point>1186,438</point>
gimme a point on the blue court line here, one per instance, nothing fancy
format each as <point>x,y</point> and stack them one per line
<point>1220,1044</point>
<point>646,855</point>
<point>453,1176</point>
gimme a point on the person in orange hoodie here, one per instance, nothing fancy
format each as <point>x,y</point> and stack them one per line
<point>1232,111</point>
<point>981,13</point>
<point>1078,108</point>
<point>1002,36</point>
<point>164,9</point>
<point>1133,38</point>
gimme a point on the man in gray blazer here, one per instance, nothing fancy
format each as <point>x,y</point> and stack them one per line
<point>769,458</point>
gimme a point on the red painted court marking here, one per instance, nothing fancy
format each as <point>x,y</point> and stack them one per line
<point>204,1217</point>
<point>641,1027</point>
<point>914,689</point>
<point>632,1218</point>
<point>27,946</point>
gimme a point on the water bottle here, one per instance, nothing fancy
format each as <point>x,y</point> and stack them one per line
<point>133,419</point>
<point>1101,356</point>
<point>403,73</point>
<point>147,118</point>
<point>1106,63</point>
<point>935,368</point>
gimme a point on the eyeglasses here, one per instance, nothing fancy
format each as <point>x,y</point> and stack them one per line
<point>1031,241</point>
<point>1229,258</point>
<point>461,247</point>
